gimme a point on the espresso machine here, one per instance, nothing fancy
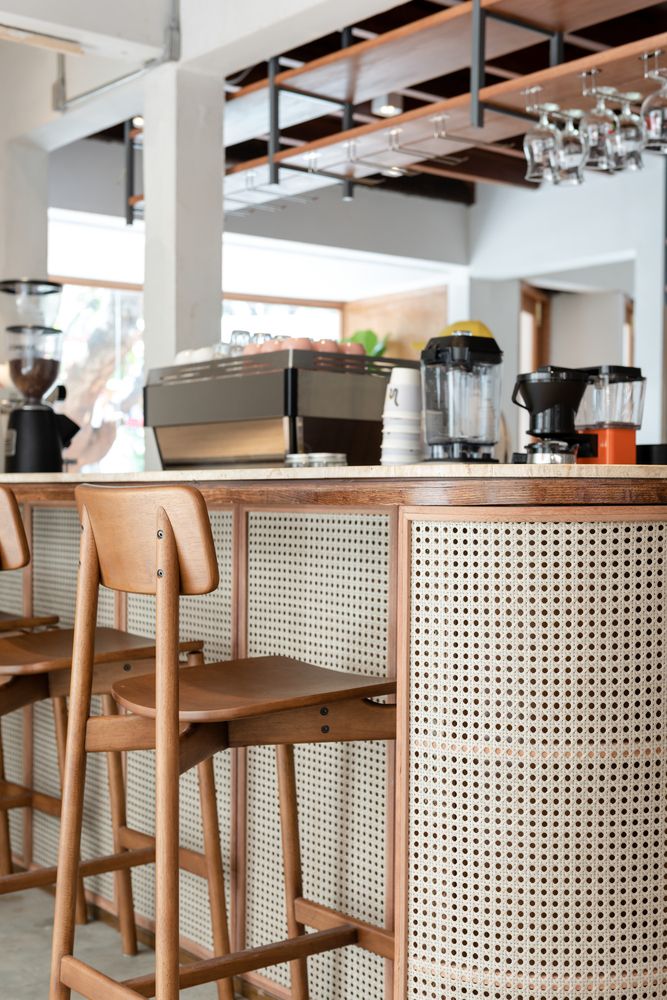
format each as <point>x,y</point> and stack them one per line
<point>461,379</point>
<point>611,410</point>
<point>552,396</point>
<point>36,434</point>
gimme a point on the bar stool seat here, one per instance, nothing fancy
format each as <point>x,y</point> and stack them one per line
<point>241,689</point>
<point>10,622</point>
<point>43,652</point>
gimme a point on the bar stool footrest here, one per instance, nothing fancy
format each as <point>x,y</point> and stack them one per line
<point>210,970</point>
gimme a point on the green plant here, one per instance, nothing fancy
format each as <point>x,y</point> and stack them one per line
<point>373,345</point>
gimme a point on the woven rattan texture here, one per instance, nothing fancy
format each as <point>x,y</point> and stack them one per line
<point>538,786</point>
<point>208,618</point>
<point>318,589</point>
<point>11,599</point>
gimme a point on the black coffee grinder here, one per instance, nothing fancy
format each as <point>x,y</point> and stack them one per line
<point>36,434</point>
<point>552,395</point>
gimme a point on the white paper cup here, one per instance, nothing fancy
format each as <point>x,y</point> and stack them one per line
<point>400,458</point>
<point>402,442</point>
<point>404,394</point>
<point>405,376</point>
<point>399,426</point>
<point>393,412</point>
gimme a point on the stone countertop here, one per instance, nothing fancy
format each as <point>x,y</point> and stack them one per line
<point>426,470</point>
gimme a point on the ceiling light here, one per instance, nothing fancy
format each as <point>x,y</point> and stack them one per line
<point>138,121</point>
<point>393,172</point>
<point>387,106</point>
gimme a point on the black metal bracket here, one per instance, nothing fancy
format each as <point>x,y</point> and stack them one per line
<point>129,172</point>
<point>478,57</point>
<point>274,144</point>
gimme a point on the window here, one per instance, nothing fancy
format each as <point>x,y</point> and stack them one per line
<point>102,370</point>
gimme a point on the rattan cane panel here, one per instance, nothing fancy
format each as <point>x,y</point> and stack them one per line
<point>11,727</point>
<point>208,618</point>
<point>318,590</point>
<point>11,591</point>
<point>538,786</point>
<point>55,555</point>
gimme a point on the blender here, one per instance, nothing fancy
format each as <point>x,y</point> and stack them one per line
<point>611,411</point>
<point>552,396</point>
<point>461,377</point>
<point>36,434</point>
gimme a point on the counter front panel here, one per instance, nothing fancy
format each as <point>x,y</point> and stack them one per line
<point>530,822</point>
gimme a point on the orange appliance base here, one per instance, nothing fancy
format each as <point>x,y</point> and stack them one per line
<point>616,446</point>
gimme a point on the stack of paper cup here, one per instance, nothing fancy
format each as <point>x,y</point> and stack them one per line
<point>401,419</point>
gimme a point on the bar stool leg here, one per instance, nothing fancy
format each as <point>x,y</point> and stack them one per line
<point>60,718</point>
<point>166,766</point>
<point>214,869</point>
<point>289,824</point>
<point>123,878</point>
<point>5,842</point>
<point>75,764</point>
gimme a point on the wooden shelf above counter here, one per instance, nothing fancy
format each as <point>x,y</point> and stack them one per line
<point>406,56</point>
<point>441,131</point>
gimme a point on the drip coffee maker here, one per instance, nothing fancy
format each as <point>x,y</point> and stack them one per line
<point>461,378</point>
<point>611,410</point>
<point>36,434</point>
<point>552,396</point>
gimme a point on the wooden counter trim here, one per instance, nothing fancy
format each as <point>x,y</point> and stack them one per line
<point>537,515</point>
<point>363,493</point>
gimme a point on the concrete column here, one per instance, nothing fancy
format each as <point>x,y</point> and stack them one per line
<point>183,165</point>
<point>183,172</point>
<point>23,210</point>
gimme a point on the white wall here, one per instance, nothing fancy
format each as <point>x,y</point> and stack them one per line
<point>587,329</point>
<point>608,219</point>
<point>497,303</point>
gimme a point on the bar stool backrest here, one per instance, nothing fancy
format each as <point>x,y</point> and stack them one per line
<point>14,550</point>
<point>130,526</point>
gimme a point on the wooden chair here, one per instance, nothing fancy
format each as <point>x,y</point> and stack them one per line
<point>34,667</point>
<point>166,548</point>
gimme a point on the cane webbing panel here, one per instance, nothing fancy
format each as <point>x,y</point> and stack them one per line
<point>318,589</point>
<point>538,787</point>
<point>56,536</point>
<point>11,599</point>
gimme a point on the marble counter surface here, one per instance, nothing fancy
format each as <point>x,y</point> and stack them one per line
<point>426,470</point>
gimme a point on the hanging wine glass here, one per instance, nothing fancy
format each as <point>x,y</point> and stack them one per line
<point>654,108</point>
<point>600,126</point>
<point>541,146</point>
<point>627,143</point>
<point>573,148</point>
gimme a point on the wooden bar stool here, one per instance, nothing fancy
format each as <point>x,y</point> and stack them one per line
<point>34,667</point>
<point>166,548</point>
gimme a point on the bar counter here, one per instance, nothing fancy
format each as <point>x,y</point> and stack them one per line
<point>516,841</point>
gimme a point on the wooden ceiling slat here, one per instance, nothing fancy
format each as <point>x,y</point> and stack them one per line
<point>422,50</point>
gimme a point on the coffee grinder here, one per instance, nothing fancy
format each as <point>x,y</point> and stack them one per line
<point>611,410</point>
<point>552,396</point>
<point>36,434</point>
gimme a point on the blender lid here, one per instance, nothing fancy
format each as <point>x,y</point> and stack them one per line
<point>615,373</point>
<point>13,286</point>
<point>554,373</point>
<point>462,349</point>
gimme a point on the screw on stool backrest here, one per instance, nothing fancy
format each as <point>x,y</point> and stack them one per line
<point>128,528</point>
<point>14,550</point>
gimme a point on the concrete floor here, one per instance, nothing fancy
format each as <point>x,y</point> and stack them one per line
<point>26,919</point>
